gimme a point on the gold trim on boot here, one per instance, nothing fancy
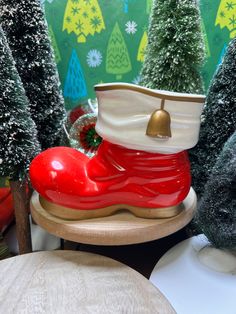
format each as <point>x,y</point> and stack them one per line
<point>77,214</point>
<point>151,92</point>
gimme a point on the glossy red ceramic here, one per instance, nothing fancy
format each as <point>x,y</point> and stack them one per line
<point>115,175</point>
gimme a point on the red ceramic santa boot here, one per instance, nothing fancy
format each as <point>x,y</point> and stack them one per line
<point>141,164</point>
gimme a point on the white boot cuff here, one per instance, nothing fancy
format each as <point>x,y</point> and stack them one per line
<point>124,111</point>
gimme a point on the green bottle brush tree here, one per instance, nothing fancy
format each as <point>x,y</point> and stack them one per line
<point>175,50</point>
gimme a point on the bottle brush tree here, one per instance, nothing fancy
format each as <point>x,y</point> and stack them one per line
<point>218,120</point>
<point>26,31</point>
<point>175,49</point>
<point>216,216</point>
<point>18,136</point>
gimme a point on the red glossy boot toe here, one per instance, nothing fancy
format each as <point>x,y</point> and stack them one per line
<point>59,174</point>
<point>115,178</point>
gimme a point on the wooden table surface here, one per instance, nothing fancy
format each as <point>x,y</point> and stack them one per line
<point>75,282</point>
<point>121,228</point>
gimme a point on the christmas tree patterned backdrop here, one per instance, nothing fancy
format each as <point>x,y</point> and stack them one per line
<point>99,41</point>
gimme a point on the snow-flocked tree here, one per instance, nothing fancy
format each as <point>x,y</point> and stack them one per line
<point>18,135</point>
<point>216,216</point>
<point>175,49</point>
<point>218,120</point>
<point>27,34</point>
<point>54,44</point>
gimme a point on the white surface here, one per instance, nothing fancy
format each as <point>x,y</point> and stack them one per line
<point>41,240</point>
<point>219,260</point>
<point>191,284</point>
<point>123,116</point>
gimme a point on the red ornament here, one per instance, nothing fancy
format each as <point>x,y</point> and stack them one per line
<point>76,113</point>
<point>115,175</point>
<point>6,208</point>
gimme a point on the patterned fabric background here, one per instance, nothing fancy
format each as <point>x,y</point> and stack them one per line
<point>104,41</point>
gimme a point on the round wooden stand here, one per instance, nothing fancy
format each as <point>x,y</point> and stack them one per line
<point>121,228</point>
<point>75,282</point>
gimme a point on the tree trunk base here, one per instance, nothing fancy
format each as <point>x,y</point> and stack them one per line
<point>23,231</point>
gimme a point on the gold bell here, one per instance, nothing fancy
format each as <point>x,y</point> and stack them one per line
<point>159,123</point>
